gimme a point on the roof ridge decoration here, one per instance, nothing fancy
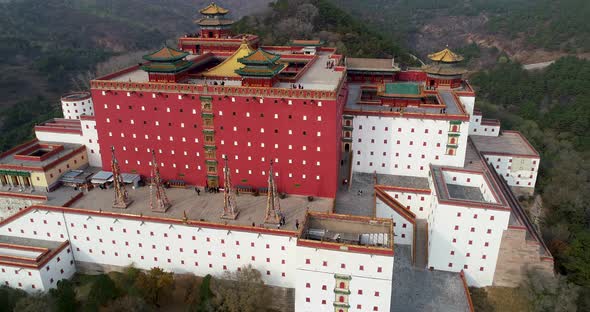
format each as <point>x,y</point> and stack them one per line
<point>166,53</point>
<point>445,56</point>
<point>213,9</point>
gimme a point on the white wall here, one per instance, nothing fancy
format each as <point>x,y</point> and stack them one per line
<point>368,280</point>
<point>503,166</point>
<point>410,151</point>
<point>61,266</point>
<point>472,180</point>
<point>476,128</point>
<point>468,102</point>
<point>417,203</point>
<point>75,109</point>
<point>469,246</point>
<point>89,138</point>
<point>94,243</point>
<point>403,230</point>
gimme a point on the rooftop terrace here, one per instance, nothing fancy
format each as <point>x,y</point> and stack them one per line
<point>36,154</point>
<point>27,252</point>
<point>507,143</point>
<point>440,102</point>
<point>317,76</point>
<point>348,230</point>
<point>206,207</point>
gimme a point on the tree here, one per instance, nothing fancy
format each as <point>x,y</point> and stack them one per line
<point>102,291</point>
<point>34,303</point>
<point>128,304</point>
<point>550,293</point>
<point>10,296</point>
<point>155,285</point>
<point>240,291</point>
<point>577,260</point>
<point>64,296</point>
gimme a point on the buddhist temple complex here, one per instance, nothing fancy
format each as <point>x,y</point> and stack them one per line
<point>315,168</point>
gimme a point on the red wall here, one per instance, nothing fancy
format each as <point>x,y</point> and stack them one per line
<point>181,112</point>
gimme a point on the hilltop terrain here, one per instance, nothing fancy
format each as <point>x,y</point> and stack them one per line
<point>528,31</point>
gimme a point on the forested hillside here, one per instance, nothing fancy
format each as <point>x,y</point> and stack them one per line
<point>515,26</point>
<point>552,109</point>
<point>46,45</point>
<point>320,19</point>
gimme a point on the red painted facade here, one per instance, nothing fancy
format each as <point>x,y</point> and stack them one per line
<point>182,120</point>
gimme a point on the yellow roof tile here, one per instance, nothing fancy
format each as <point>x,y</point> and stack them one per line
<point>212,9</point>
<point>445,56</point>
<point>228,67</point>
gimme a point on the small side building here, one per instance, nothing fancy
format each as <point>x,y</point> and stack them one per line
<point>39,165</point>
<point>344,263</point>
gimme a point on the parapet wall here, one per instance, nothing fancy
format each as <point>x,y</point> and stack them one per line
<point>516,257</point>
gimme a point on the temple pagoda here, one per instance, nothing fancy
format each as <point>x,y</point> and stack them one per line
<point>213,23</point>
<point>167,65</point>
<point>444,69</point>
<point>261,69</point>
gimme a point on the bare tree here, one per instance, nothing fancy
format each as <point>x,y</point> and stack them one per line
<point>240,291</point>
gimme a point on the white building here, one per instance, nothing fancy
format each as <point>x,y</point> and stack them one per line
<point>77,104</point>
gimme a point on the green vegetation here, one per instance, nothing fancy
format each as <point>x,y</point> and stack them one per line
<point>144,291</point>
<point>549,24</point>
<point>319,19</point>
<point>552,109</point>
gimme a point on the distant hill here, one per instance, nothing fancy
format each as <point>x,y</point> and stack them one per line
<point>321,19</point>
<point>526,30</point>
<point>45,44</point>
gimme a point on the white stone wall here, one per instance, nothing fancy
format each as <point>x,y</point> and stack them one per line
<point>404,146</point>
<point>315,281</point>
<point>403,230</point>
<point>75,109</point>
<point>89,138</point>
<point>173,247</point>
<point>472,180</point>
<point>463,238</point>
<point>476,128</point>
<point>468,102</point>
<point>417,203</point>
<point>61,266</point>
<point>521,178</point>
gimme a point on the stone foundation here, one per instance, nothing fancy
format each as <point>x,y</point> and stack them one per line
<point>516,257</point>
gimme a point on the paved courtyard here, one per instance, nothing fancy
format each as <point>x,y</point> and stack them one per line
<point>419,290</point>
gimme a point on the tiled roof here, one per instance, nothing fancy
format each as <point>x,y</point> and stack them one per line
<point>213,9</point>
<point>165,54</point>
<point>259,57</point>
<point>228,67</point>
<point>445,56</point>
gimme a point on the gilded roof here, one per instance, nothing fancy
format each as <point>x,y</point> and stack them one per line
<point>260,57</point>
<point>445,56</point>
<point>228,67</point>
<point>213,9</point>
<point>165,54</point>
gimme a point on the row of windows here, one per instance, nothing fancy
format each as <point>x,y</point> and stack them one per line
<point>475,216</point>
<point>342,286</point>
<point>465,266</point>
<point>485,130</point>
<point>371,153</point>
<point>396,166</point>
<point>358,306</point>
<point>468,254</point>
<point>412,130</point>
<point>233,99</point>
<point>472,229</point>
<point>398,142</point>
<point>470,242</point>
<point>343,265</point>
<point>220,113</point>
<point>169,260</point>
